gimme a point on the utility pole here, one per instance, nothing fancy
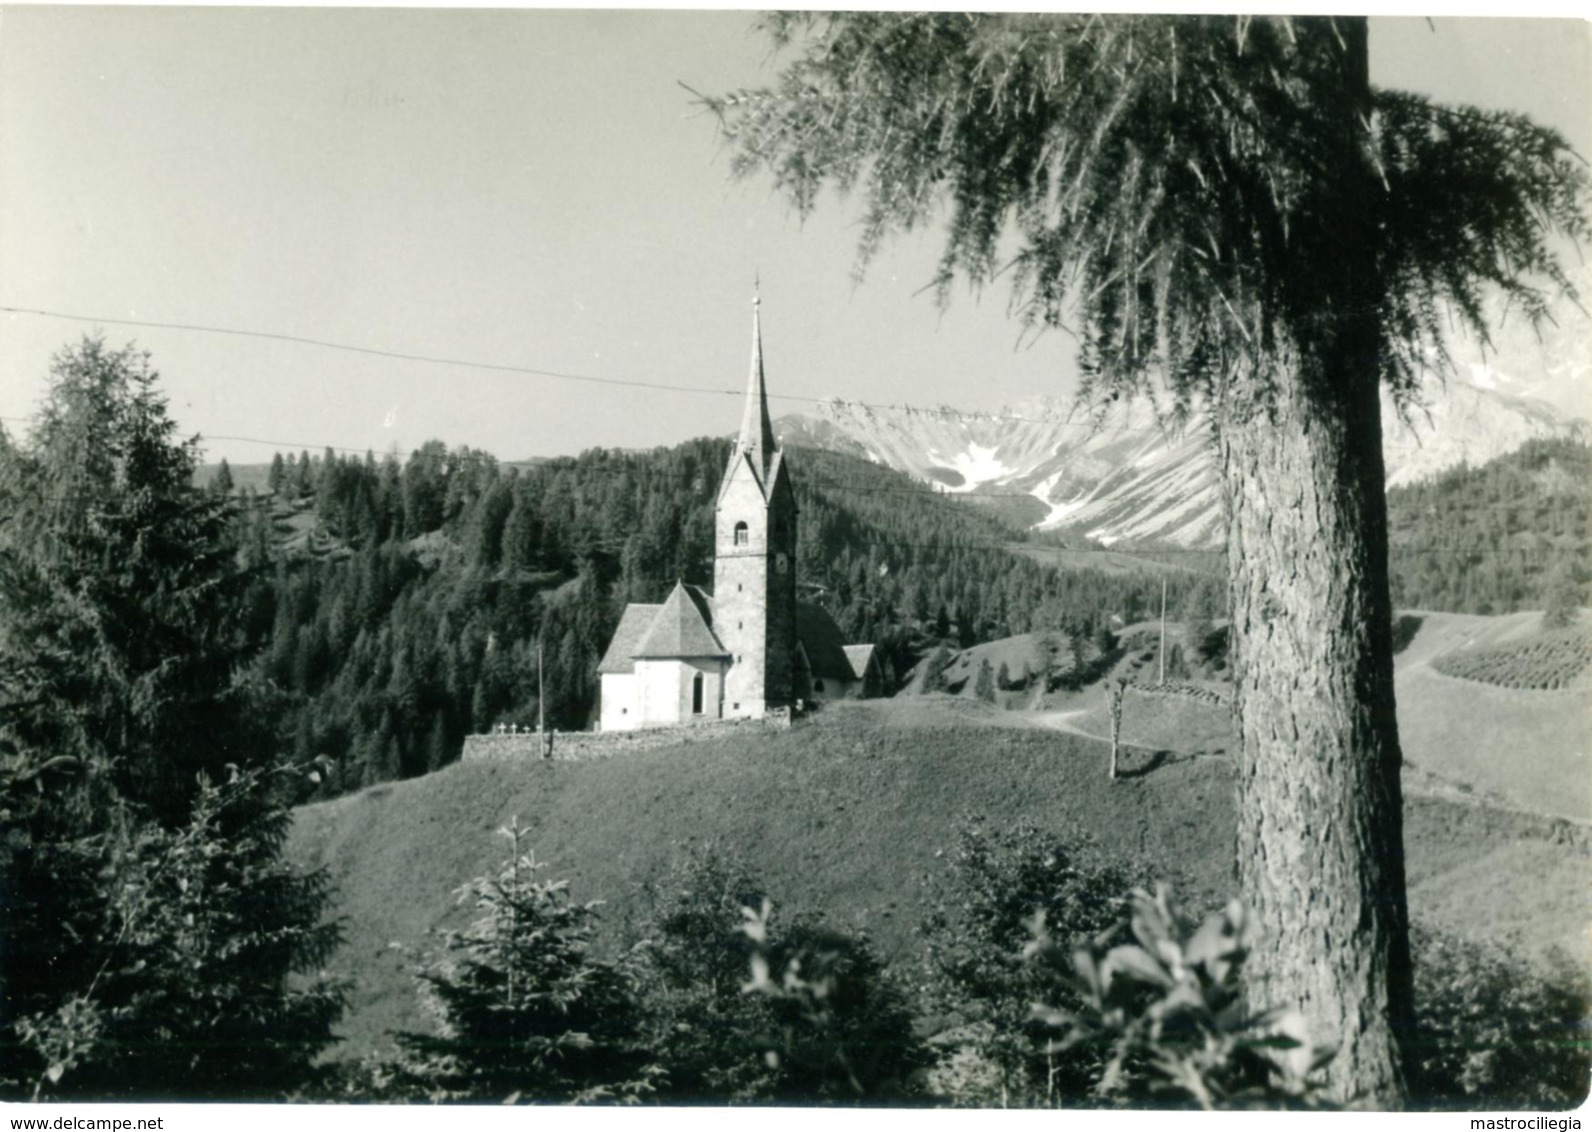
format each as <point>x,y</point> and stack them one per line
<point>1116,691</point>
<point>541,703</point>
<point>1162,679</point>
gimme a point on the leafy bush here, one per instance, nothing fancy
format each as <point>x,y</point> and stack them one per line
<point>842,1030</point>
<point>1162,1001</point>
<point>1550,661</point>
<point>1493,1033</point>
<point>981,912</point>
<point>525,1011</point>
<point>696,960</point>
<point>835,1028</point>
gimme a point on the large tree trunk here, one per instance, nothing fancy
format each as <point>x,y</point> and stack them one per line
<point>1320,808</point>
<point>1320,821</point>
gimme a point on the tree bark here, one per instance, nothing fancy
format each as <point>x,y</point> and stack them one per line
<point>1320,812</point>
<point>1320,806</point>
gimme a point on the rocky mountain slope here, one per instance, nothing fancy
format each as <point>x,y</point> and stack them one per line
<point>1135,472</point>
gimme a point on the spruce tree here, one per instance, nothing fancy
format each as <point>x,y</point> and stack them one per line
<point>984,682</point>
<point>526,1010</point>
<point>151,929</point>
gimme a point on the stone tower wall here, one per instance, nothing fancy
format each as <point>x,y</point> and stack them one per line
<point>740,588</point>
<point>780,643</point>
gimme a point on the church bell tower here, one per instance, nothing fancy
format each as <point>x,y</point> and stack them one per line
<point>754,560</point>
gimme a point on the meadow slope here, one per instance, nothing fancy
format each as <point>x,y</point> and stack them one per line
<point>1530,748</point>
<point>848,814</point>
<point>1518,748</point>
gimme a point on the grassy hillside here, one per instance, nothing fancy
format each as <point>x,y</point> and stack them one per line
<point>849,814</point>
<point>1524,748</point>
<point>1025,656</point>
<point>846,814</point>
<point>1533,748</point>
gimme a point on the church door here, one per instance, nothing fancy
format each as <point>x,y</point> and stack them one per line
<point>696,694</point>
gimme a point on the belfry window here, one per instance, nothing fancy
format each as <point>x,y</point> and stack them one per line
<point>696,694</point>
<point>741,534</point>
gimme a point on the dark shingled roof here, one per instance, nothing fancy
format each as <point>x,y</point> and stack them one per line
<point>821,640</point>
<point>633,626</point>
<point>680,628</point>
<point>859,655</point>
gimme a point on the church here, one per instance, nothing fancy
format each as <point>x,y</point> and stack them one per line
<point>749,648</point>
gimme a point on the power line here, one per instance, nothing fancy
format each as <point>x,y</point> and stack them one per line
<point>945,411</point>
<point>433,359</point>
<point>372,351</point>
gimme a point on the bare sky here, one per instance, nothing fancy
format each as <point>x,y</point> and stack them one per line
<point>526,188</point>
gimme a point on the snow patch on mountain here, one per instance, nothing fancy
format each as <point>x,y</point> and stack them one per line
<point>978,466</point>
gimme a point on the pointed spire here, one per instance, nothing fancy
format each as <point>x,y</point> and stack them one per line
<point>757,431</point>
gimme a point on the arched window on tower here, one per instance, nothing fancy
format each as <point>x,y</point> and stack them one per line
<point>741,534</point>
<point>696,694</point>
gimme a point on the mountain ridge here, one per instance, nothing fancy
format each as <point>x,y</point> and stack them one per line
<point>1136,471</point>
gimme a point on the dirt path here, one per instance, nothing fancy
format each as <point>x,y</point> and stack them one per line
<point>1063,721</point>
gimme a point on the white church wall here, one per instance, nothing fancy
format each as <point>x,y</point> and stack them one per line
<point>664,690</point>
<point>620,710</point>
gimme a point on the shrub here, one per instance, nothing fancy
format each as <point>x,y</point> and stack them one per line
<point>833,1027</point>
<point>1405,626</point>
<point>841,1028</point>
<point>1161,1000</point>
<point>1493,1033</point>
<point>696,960</point>
<point>980,914</point>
